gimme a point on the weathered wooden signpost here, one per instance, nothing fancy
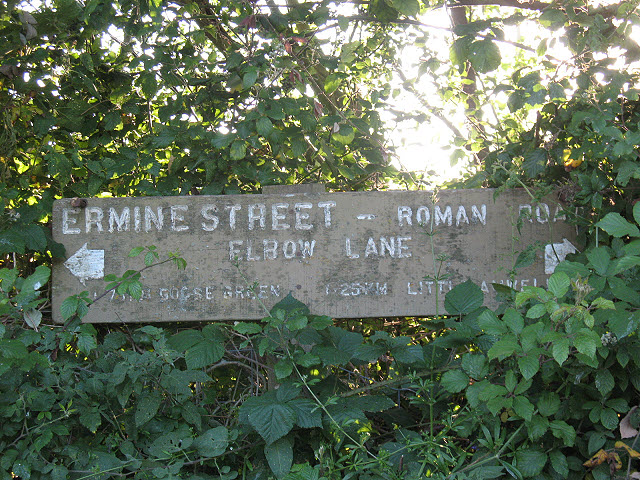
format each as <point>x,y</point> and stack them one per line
<point>347,255</point>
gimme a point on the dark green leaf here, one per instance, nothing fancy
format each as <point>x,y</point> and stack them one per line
<point>147,407</point>
<point>213,442</point>
<point>615,225</point>
<point>279,455</point>
<point>454,381</point>
<point>463,298</point>
<point>530,461</point>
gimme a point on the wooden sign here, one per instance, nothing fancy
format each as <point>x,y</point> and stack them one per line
<point>347,255</point>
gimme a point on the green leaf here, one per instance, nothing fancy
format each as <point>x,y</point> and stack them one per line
<point>410,8</point>
<point>636,211</point>
<point>530,461</point>
<point>32,317</point>
<point>599,259</point>
<point>279,455</point>
<point>559,284</point>
<point>87,342</point>
<point>586,341</point>
<point>296,322</point>
<point>623,323</point>
<point>548,404</point>
<point>283,368</point>
<point>537,311</point>
<point>535,162</point>
<point>91,418</point>
<point>523,407</point>
<point>246,328</point>
<point>37,279</point>
<point>136,251</point>
<point>308,414</point>
<point>290,305</point>
<point>563,431</point>
<point>609,418</point>
<point>238,150</point>
<point>604,381</point>
<point>537,427</point>
<point>34,237</point>
<point>371,403</point>
<point>271,420</point>
<point>614,224</point>
<point>475,365</point>
<point>463,298</point>
<point>345,135</point>
<point>529,366</point>
<point>559,463</point>
<point>213,442</point>
<point>204,353</point>
<point>147,407</point>
<point>489,322</point>
<point>250,77</point>
<point>264,126</point>
<point>513,320</point>
<point>454,381</point>
<point>560,349</point>
<point>504,347</point>
<point>484,55</point>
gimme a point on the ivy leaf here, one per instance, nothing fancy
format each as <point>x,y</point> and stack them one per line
<point>279,455</point>
<point>614,224</point>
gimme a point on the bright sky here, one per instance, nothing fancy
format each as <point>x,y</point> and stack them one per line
<point>424,147</point>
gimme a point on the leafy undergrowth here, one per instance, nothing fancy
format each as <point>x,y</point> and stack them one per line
<point>543,387</point>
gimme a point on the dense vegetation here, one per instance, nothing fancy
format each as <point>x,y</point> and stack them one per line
<point>195,97</point>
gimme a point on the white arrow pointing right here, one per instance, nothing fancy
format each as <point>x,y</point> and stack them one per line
<point>554,253</point>
<point>86,264</point>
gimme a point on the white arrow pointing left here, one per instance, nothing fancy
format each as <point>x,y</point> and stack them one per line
<point>86,264</point>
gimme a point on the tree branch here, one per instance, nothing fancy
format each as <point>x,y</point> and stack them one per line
<point>527,5</point>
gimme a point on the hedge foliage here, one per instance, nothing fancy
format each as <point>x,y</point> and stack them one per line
<point>545,386</point>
